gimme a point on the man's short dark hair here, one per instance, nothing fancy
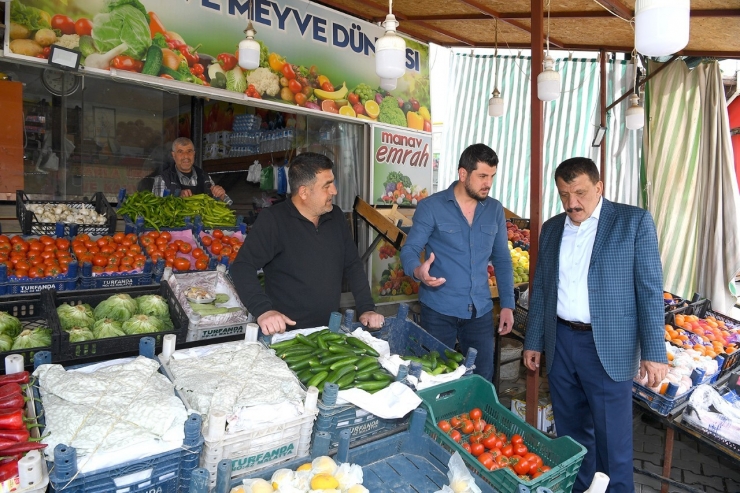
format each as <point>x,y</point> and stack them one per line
<point>476,153</point>
<point>572,168</point>
<point>304,168</point>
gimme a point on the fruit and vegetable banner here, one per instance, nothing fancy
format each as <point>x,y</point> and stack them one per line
<point>401,174</point>
<point>311,56</point>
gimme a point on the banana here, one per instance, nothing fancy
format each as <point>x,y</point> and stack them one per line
<point>338,94</point>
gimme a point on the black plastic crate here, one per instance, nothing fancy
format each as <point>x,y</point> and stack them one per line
<point>32,311</point>
<point>519,222</point>
<point>30,224</point>
<point>114,346</point>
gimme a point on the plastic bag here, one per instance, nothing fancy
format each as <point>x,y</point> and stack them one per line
<point>707,409</point>
<point>267,178</point>
<point>461,481</point>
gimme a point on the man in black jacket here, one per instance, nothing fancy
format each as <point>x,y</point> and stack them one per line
<point>305,248</point>
<point>183,176</point>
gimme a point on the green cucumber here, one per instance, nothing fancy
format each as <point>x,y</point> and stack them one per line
<point>300,365</point>
<point>332,336</point>
<point>336,357</point>
<point>346,380</point>
<point>366,361</point>
<point>454,355</point>
<point>296,358</point>
<point>319,369</point>
<point>354,341</point>
<point>317,379</point>
<point>339,373</point>
<point>304,375</point>
<point>153,62</point>
<point>440,369</point>
<point>165,70</point>
<point>315,335</point>
<point>349,361</point>
<point>452,364</point>
<point>382,376</point>
<point>305,340</point>
<point>314,361</point>
<point>283,344</point>
<point>367,373</point>
<point>343,349</point>
<point>322,343</point>
<point>372,386</point>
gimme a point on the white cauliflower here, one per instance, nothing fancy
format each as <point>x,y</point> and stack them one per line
<point>264,81</point>
<point>70,41</point>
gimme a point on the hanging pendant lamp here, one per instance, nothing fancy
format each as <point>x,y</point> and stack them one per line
<point>496,102</point>
<point>390,53</point>
<point>661,26</point>
<point>634,117</point>
<point>249,50</point>
<point>548,81</point>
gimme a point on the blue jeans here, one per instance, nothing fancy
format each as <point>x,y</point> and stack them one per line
<point>476,332</point>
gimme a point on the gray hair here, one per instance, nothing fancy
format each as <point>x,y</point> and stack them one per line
<point>181,141</point>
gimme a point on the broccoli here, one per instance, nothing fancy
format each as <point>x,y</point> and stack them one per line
<point>364,92</point>
<point>391,113</point>
<point>397,177</point>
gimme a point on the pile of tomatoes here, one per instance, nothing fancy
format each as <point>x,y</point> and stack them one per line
<point>179,254</point>
<point>493,449</point>
<point>35,257</point>
<point>221,245</point>
<point>110,254</point>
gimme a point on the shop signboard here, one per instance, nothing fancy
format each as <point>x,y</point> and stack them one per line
<point>401,174</point>
<point>312,56</point>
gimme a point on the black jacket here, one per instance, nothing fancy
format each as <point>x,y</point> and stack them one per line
<point>303,265</point>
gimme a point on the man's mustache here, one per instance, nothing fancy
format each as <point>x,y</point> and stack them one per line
<point>577,209</point>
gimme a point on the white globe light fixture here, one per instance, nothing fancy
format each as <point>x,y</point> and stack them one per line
<point>390,53</point>
<point>249,50</point>
<point>661,26</point>
<point>496,105</point>
<point>635,114</point>
<point>548,81</point>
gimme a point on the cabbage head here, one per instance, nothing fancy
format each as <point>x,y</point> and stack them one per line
<point>80,334</point>
<point>31,338</point>
<point>6,342</point>
<point>153,305</point>
<point>107,327</point>
<point>123,24</point>
<point>119,307</point>
<point>9,324</point>
<point>75,316</point>
<point>142,324</point>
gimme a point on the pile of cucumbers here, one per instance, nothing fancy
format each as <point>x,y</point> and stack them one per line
<point>325,356</point>
<point>433,364</point>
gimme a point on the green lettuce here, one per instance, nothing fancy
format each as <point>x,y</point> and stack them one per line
<point>123,24</point>
<point>75,316</point>
<point>9,324</point>
<point>31,338</point>
<point>142,324</point>
<point>28,17</point>
<point>80,334</point>
<point>155,306</point>
<point>119,307</point>
<point>6,342</point>
<point>107,327</point>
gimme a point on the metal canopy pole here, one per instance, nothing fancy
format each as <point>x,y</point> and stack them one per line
<point>535,183</point>
<point>602,97</point>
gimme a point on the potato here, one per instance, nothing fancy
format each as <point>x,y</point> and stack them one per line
<point>45,37</point>
<point>19,32</point>
<point>27,47</point>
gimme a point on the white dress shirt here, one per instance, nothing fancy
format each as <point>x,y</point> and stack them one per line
<point>575,257</point>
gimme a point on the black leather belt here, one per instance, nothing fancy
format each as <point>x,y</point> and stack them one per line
<point>575,325</point>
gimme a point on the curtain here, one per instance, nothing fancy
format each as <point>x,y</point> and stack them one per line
<point>569,124</point>
<point>691,183</point>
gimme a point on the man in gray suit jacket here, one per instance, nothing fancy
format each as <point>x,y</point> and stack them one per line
<point>596,309</point>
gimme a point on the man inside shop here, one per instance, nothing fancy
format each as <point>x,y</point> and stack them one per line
<point>185,179</point>
<point>305,248</point>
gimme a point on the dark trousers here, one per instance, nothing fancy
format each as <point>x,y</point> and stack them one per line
<point>592,409</point>
<point>475,332</point>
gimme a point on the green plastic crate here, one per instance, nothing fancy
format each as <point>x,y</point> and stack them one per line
<point>563,455</point>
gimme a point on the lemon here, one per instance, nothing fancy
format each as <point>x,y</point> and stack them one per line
<point>365,117</point>
<point>262,486</point>
<point>358,488</point>
<point>372,108</point>
<point>305,467</point>
<point>324,481</point>
<point>347,111</point>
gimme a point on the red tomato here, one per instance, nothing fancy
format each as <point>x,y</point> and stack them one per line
<point>181,263</point>
<point>466,446</point>
<point>46,240</point>
<point>62,243</point>
<point>521,465</point>
<point>99,260</point>
<point>216,250</point>
<point>444,425</point>
<point>477,449</point>
<point>83,27</point>
<point>516,439</point>
<point>52,271</point>
<point>467,427</point>
<point>454,421</point>
<point>217,233</point>
<point>520,449</point>
<point>294,86</point>
<point>185,247</point>
<point>507,450</point>
<point>206,240</point>
<point>455,435</point>
<point>327,86</point>
<point>139,263</point>
<point>201,263</point>
<point>36,272</point>
<point>198,253</point>
<point>476,414</point>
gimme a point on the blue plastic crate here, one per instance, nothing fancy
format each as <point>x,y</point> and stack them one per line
<point>32,312</point>
<point>169,472</point>
<point>27,285</point>
<point>117,279</point>
<point>662,404</point>
<point>407,462</point>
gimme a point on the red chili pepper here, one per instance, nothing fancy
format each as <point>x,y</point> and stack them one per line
<point>227,61</point>
<point>10,458</point>
<point>16,435</point>
<point>20,377</point>
<point>12,420</point>
<point>20,447</point>
<point>10,389</point>
<point>15,401</point>
<point>8,470</point>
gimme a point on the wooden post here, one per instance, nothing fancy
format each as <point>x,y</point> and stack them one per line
<point>602,90</point>
<point>535,184</point>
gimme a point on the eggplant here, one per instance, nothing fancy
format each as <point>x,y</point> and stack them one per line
<point>205,59</point>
